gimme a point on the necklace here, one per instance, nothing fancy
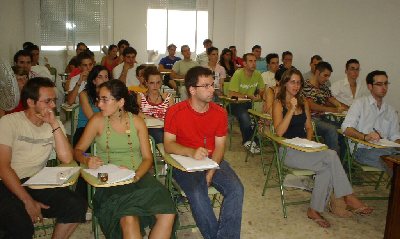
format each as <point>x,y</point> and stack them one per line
<point>128,133</point>
<point>153,101</point>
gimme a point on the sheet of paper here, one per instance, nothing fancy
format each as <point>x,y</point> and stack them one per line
<point>191,164</point>
<point>115,173</point>
<point>386,143</point>
<point>52,176</point>
<point>154,123</point>
<point>303,143</point>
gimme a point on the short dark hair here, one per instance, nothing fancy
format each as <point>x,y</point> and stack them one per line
<point>22,53</point>
<point>111,47</point>
<point>286,53</point>
<point>315,57</point>
<point>232,47</point>
<point>119,91</point>
<point>255,47</point>
<point>279,73</point>
<point>192,76</point>
<point>80,44</point>
<point>372,74</point>
<point>32,87</point>
<point>27,44</point>
<point>351,61</point>
<point>207,41</point>
<point>139,68</point>
<point>82,56</point>
<point>271,56</point>
<point>183,46</point>
<point>170,46</point>
<point>211,49</point>
<point>129,50</point>
<point>123,42</point>
<point>32,48</point>
<point>246,55</point>
<point>150,71</point>
<point>323,65</point>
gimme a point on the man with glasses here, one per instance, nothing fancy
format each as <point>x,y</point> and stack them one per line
<point>28,137</point>
<point>197,128</point>
<point>247,82</point>
<point>370,118</point>
<point>349,89</point>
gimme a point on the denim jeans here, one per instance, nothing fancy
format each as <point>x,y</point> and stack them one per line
<point>328,131</point>
<point>157,134</point>
<point>228,184</point>
<point>372,158</point>
<point>242,115</point>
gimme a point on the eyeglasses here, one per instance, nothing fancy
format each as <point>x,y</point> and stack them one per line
<point>205,86</point>
<point>382,83</point>
<point>47,101</point>
<point>294,82</point>
<point>104,100</point>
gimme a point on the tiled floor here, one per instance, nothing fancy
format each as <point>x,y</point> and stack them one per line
<point>263,218</point>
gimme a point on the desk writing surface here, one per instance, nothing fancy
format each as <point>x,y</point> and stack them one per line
<point>238,101</point>
<point>260,114</point>
<point>95,182</point>
<point>280,140</point>
<point>72,180</point>
<point>359,141</point>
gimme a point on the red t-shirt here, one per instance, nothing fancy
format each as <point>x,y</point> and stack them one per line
<point>76,71</point>
<point>16,109</point>
<point>193,129</point>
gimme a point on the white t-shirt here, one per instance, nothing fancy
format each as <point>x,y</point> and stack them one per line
<point>218,74</point>
<point>42,71</point>
<point>342,92</point>
<point>131,79</point>
<point>31,145</point>
<point>269,79</point>
<point>72,84</point>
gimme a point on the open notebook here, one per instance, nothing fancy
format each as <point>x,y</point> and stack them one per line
<point>303,142</point>
<point>192,165</point>
<point>115,173</point>
<point>386,143</point>
<point>52,176</point>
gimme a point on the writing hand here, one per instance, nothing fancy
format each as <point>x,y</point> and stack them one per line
<point>94,162</point>
<point>373,136</point>
<point>200,153</point>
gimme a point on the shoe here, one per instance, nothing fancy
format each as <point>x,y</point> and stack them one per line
<point>254,149</point>
<point>247,144</point>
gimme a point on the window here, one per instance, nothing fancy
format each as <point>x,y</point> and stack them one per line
<point>180,22</point>
<point>64,23</point>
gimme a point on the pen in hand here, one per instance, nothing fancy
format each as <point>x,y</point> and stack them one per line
<point>376,131</point>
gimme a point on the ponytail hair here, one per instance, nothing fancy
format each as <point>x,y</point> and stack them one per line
<point>119,91</point>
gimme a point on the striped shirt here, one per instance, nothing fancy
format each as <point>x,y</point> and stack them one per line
<point>155,110</point>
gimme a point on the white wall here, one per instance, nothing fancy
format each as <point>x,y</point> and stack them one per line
<point>337,30</point>
<point>11,28</point>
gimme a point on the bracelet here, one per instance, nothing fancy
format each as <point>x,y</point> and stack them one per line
<point>54,130</point>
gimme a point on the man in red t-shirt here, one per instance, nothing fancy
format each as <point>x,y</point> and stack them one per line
<point>197,128</point>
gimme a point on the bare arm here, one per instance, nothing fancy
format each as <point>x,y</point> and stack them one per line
<point>308,126</point>
<point>352,132</point>
<point>175,75</point>
<point>281,123</point>
<point>339,105</point>
<point>147,156</point>
<point>84,102</point>
<point>320,108</point>
<point>269,98</point>
<point>124,72</point>
<point>217,156</point>
<point>75,91</point>
<point>91,130</point>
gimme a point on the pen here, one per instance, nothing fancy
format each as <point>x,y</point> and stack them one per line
<point>376,131</point>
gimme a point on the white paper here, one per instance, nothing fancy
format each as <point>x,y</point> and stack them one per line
<point>303,143</point>
<point>191,164</point>
<point>115,173</point>
<point>52,176</point>
<point>154,123</point>
<point>386,143</point>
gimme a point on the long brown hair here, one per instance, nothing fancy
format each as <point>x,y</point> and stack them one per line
<point>282,92</point>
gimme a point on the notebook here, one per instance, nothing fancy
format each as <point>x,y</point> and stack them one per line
<point>52,176</point>
<point>303,142</point>
<point>115,173</point>
<point>192,165</point>
<point>386,143</point>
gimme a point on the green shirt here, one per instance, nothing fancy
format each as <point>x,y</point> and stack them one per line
<point>242,84</point>
<point>182,66</point>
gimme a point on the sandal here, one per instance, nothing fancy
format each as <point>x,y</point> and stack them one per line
<point>337,206</point>
<point>322,222</point>
<point>363,211</point>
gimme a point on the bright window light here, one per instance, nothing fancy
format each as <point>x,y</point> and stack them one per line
<point>156,29</point>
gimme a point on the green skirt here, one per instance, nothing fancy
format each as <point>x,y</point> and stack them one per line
<point>144,199</point>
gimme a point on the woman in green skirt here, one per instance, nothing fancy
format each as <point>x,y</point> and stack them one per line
<point>121,138</point>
